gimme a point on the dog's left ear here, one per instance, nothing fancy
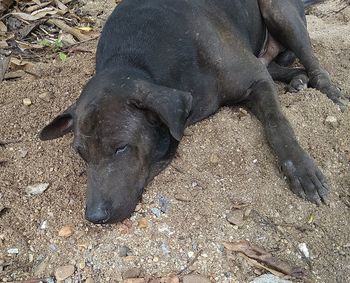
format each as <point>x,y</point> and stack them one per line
<point>172,106</point>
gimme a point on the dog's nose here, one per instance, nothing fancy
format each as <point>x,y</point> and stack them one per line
<point>98,215</point>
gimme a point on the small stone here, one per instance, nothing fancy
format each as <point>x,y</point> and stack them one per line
<point>65,231</point>
<point>164,204</point>
<point>165,249</point>
<point>63,272</point>
<point>132,273</point>
<point>269,278</point>
<point>124,251</point>
<point>37,189</point>
<point>214,159</point>
<point>43,225</point>
<point>143,223</point>
<point>235,217</point>
<point>82,265</point>
<point>23,153</point>
<point>304,250</point>
<point>156,211</point>
<point>195,279</point>
<point>13,251</point>
<point>188,132</point>
<point>155,259</point>
<point>331,121</point>
<point>27,101</point>
<point>190,254</point>
<point>45,96</point>
<point>30,257</point>
<point>89,280</point>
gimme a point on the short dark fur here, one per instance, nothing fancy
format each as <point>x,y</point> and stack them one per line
<point>162,65</point>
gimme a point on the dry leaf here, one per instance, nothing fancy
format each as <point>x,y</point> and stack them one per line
<point>3,44</point>
<point>61,6</point>
<point>3,27</point>
<point>17,64</point>
<point>264,257</point>
<point>85,28</point>
<point>36,15</point>
<point>4,5</point>
<point>4,65</point>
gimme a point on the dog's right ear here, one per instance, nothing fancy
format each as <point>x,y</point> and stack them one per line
<point>59,126</point>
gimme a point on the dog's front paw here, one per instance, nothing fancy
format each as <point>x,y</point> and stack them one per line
<point>306,180</point>
<point>321,81</point>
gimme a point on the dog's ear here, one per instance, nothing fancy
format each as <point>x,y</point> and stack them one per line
<point>172,106</point>
<point>59,126</point>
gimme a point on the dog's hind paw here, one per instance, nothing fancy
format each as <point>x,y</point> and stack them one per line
<point>306,180</point>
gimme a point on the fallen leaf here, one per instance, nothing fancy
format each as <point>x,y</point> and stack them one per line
<point>4,65</point>
<point>62,56</point>
<point>37,189</point>
<point>85,28</point>
<point>61,6</point>
<point>264,258</point>
<point>36,15</point>
<point>5,5</point>
<point>3,27</point>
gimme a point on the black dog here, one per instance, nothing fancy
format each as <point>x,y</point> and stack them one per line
<point>163,65</point>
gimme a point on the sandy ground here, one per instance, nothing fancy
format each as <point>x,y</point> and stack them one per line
<point>222,159</point>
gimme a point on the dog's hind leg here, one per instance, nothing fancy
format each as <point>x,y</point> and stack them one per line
<point>305,178</point>
<point>285,21</point>
<point>295,78</point>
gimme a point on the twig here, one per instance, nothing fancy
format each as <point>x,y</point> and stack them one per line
<point>190,263</point>
<point>62,25</point>
<point>4,143</point>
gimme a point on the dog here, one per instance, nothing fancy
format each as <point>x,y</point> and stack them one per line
<point>162,65</point>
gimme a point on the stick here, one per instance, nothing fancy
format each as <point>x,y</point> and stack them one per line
<point>62,25</point>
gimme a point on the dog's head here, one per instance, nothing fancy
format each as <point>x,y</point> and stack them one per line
<point>123,131</point>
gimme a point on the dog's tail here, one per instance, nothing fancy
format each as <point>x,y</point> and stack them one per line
<point>308,3</point>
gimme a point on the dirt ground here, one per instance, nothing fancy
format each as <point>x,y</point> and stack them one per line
<point>221,159</point>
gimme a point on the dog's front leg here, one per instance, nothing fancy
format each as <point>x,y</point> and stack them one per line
<point>306,180</point>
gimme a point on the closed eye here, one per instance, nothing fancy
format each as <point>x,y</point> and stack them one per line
<point>121,149</point>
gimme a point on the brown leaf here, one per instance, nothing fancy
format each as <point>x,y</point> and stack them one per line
<point>264,258</point>
<point>5,5</point>
<point>36,15</point>
<point>3,27</point>
<point>4,65</point>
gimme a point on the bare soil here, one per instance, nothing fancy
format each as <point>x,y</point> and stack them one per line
<point>221,159</point>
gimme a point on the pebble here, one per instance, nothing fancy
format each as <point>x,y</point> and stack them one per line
<point>89,280</point>
<point>43,225</point>
<point>124,251</point>
<point>269,278</point>
<point>65,231</point>
<point>132,273</point>
<point>63,272</point>
<point>37,189</point>
<point>304,250</point>
<point>13,251</point>
<point>164,204</point>
<point>214,159</point>
<point>331,121</point>
<point>195,279</point>
<point>45,96</point>
<point>156,211</point>
<point>27,101</point>
<point>235,217</point>
<point>188,132</point>
<point>143,223</point>
<point>23,153</point>
<point>165,248</point>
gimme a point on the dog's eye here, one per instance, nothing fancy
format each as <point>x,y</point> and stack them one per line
<point>121,149</point>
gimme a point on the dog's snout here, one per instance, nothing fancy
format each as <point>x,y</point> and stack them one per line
<point>97,215</point>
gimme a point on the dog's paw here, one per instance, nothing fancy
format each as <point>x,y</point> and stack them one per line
<point>298,83</point>
<point>305,179</point>
<point>321,81</point>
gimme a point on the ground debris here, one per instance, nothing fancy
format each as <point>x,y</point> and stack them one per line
<point>37,189</point>
<point>262,259</point>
